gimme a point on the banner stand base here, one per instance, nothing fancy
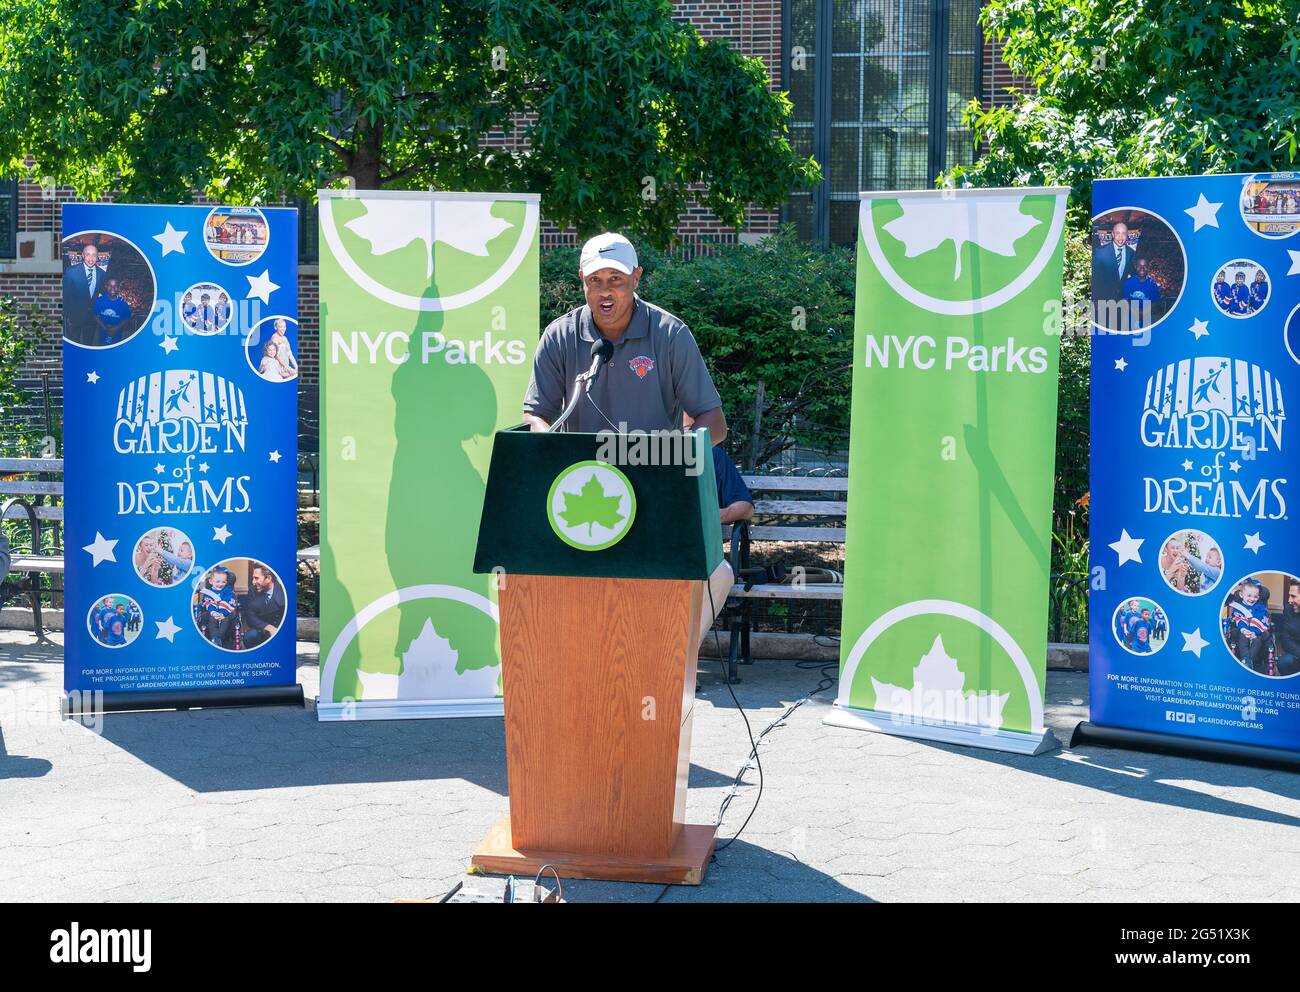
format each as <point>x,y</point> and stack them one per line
<point>408,709</point>
<point>76,704</point>
<point>1187,747</point>
<point>879,722</point>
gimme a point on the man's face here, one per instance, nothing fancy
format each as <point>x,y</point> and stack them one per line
<point>611,295</point>
<point>261,581</point>
<point>1293,597</point>
<point>1119,234</point>
<point>90,256</point>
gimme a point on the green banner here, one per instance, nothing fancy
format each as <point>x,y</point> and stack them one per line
<point>429,318</point>
<point>952,455</point>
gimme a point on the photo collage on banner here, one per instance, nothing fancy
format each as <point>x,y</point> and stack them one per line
<point>429,319</point>
<point>953,440</point>
<point>180,423</point>
<point>1195,599</point>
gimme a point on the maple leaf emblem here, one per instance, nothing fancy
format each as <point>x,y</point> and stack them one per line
<point>995,226</point>
<point>591,506</point>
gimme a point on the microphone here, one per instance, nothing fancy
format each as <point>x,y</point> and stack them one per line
<point>601,352</point>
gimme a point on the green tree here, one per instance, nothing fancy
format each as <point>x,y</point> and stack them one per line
<point>627,113</point>
<point>1139,88</point>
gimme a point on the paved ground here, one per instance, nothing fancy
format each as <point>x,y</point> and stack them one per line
<point>269,804</point>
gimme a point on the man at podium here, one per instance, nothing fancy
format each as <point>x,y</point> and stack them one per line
<point>656,373</point>
<point>655,380</point>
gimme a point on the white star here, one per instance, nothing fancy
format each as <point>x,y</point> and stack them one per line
<point>1234,466</point>
<point>171,240</point>
<point>1204,213</point>
<point>1199,328</point>
<point>168,344</point>
<point>158,469</point>
<point>275,456</point>
<point>1194,642</point>
<point>1127,548</point>
<point>1295,262</point>
<point>1253,543</point>
<point>167,629</point>
<point>1187,464</point>
<point>101,549</point>
<point>261,286</point>
<point>203,466</point>
<point>92,377</point>
<point>1120,364</point>
<point>220,534</point>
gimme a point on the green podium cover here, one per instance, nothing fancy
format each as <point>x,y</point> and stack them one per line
<point>559,504</point>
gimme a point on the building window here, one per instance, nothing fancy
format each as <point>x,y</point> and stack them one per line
<point>878,88</point>
<point>8,218</point>
<point>308,232</point>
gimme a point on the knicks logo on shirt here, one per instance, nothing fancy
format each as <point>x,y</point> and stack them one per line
<point>642,365</point>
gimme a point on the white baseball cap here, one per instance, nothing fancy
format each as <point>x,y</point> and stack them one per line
<point>608,251</point>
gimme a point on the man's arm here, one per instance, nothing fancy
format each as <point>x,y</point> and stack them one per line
<point>740,510</point>
<point>716,421</point>
<point>545,396</point>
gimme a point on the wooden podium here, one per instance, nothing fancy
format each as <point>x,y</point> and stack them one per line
<point>598,655</point>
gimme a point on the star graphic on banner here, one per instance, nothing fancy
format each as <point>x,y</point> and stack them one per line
<point>1199,328</point>
<point>1187,464</point>
<point>1204,213</point>
<point>171,240</point>
<point>220,534</point>
<point>168,344</point>
<point>1194,642</point>
<point>167,630</point>
<point>1234,466</point>
<point>275,456</point>
<point>1120,364</point>
<point>1253,543</point>
<point>1295,262</point>
<point>261,286</point>
<point>92,377</point>
<point>203,466</point>
<point>101,549</point>
<point>158,469</point>
<point>1127,548</point>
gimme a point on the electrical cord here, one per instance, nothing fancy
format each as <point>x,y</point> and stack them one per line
<point>753,744</point>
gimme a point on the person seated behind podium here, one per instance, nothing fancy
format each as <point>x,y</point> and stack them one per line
<point>735,501</point>
<point>656,373</point>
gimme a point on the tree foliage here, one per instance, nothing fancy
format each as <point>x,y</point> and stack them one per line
<point>1140,88</point>
<point>623,109</point>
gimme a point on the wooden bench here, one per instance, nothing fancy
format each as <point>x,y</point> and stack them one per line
<point>817,506</point>
<point>31,499</point>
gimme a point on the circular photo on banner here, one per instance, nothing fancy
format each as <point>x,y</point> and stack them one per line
<point>163,557</point>
<point>238,604</point>
<point>1291,334</point>
<point>109,289</point>
<point>1260,624</point>
<point>114,621</point>
<point>1191,562</point>
<point>1270,204</point>
<point>1240,288</point>
<point>1139,270</point>
<point>206,308</point>
<point>271,349</point>
<point>1140,626</point>
<point>236,235</point>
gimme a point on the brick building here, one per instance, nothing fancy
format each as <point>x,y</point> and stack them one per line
<point>877,86</point>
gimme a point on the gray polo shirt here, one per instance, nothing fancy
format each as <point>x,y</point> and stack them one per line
<point>656,374</point>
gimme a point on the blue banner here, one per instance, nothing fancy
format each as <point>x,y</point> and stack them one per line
<point>180,425</point>
<point>1195,603</point>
